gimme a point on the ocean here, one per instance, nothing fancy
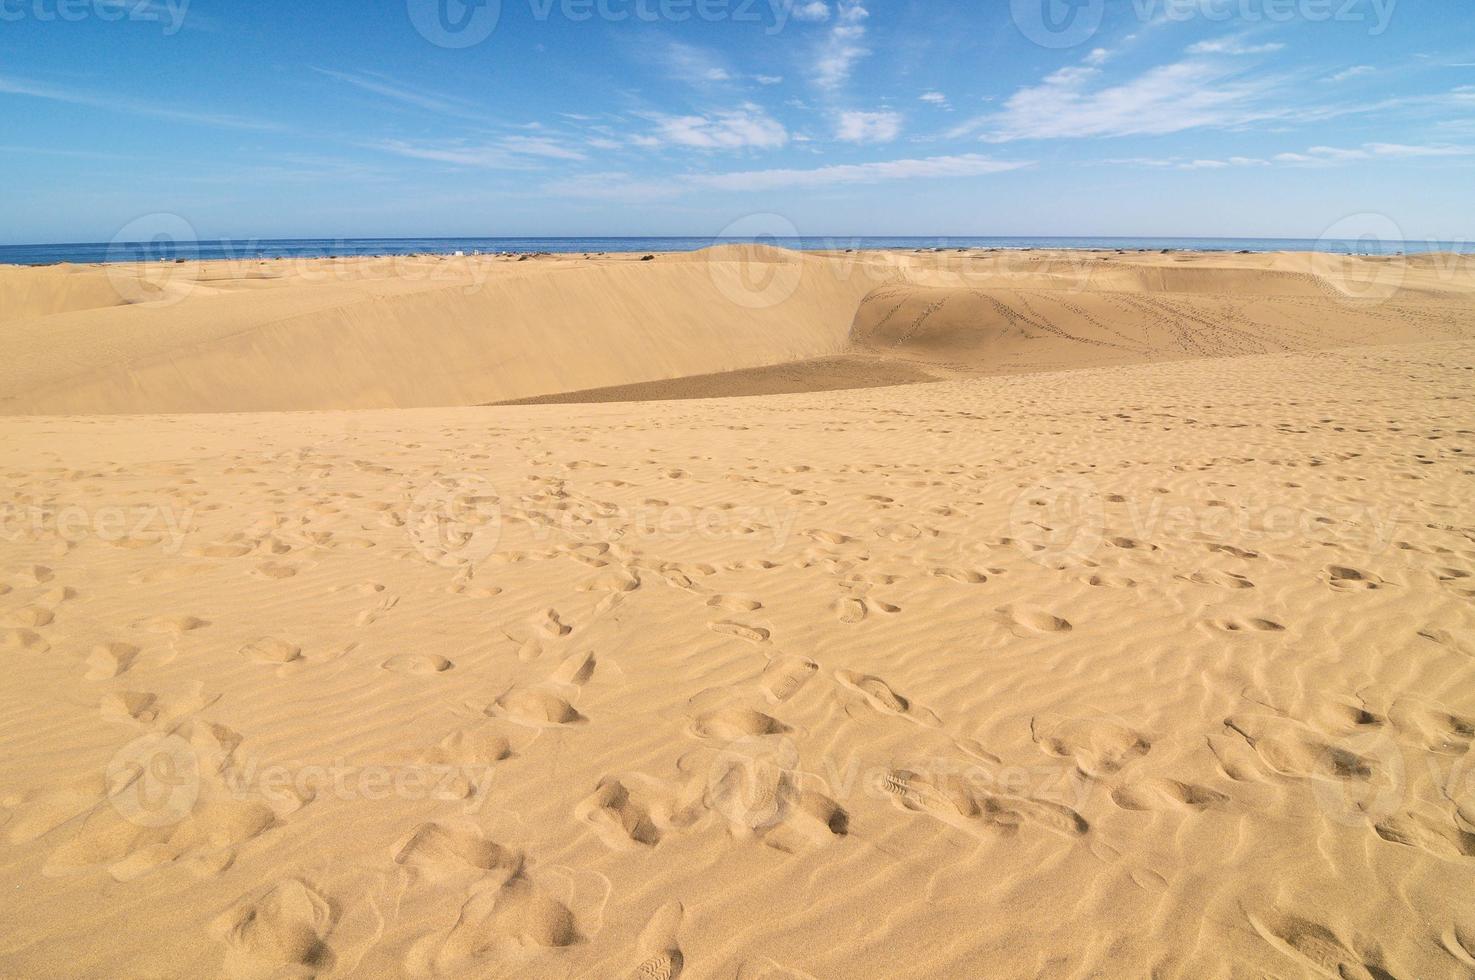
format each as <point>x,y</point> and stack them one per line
<point>325,247</point>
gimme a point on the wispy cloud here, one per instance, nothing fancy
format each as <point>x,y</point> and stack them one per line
<point>507,153</point>
<point>624,187</point>
<point>746,127</point>
<point>695,66</point>
<point>813,11</point>
<point>1356,71</point>
<point>868,127</point>
<point>1073,103</point>
<point>966,165</point>
<point>1316,156</point>
<point>845,46</point>
<point>133,107</point>
<point>398,92</point>
<point>1235,46</point>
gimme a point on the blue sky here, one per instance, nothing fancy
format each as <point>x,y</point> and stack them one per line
<point>680,117</point>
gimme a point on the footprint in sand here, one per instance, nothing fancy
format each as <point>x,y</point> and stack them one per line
<point>851,610</point>
<point>1314,948</point>
<point>536,708</point>
<point>422,665</point>
<point>880,696</point>
<point>1432,832</point>
<point>130,706</point>
<point>1345,579</point>
<point>550,625</point>
<point>615,816</point>
<point>175,625</point>
<point>658,954</point>
<point>576,670</point>
<point>730,724</point>
<point>753,634</point>
<point>275,570</point>
<point>440,851</point>
<point>513,920</point>
<point>35,574</point>
<point>1436,728</point>
<point>108,660</point>
<point>272,650</point>
<point>1222,580</point>
<point>951,800</point>
<point>22,639</point>
<point>1153,794</point>
<point>734,603</point>
<point>283,931</point>
<point>1250,624</point>
<point>963,576</point>
<point>33,617</point>
<point>1290,749</point>
<point>1098,747</point>
<point>1022,620</point>
<point>785,675</point>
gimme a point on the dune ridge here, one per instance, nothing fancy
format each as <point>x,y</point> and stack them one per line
<point>434,331</point>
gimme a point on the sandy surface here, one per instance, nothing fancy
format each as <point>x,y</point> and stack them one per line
<point>1143,644</point>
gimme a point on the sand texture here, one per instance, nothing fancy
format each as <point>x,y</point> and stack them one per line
<point>1020,615</point>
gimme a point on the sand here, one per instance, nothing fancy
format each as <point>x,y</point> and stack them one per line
<point>1140,642</point>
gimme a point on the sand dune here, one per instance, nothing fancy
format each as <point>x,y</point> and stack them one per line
<point>420,332</point>
<point>1140,644</point>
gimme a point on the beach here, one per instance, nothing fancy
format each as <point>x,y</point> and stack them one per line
<point>985,613</point>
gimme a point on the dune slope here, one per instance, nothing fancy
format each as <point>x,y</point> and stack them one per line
<point>428,331</point>
<point>1158,669</point>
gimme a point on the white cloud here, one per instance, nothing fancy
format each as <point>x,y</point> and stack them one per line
<point>538,146</point>
<point>1098,56</point>
<point>769,79</point>
<point>625,187</point>
<point>868,127</point>
<point>399,92</point>
<point>1169,99</point>
<point>812,12</point>
<point>695,66</point>
<point>1402,150</point>
<point>1182,163</point>
<point>508,153</point>
<point>967,165</point>
<point>934,98</point>
<point>845,45</point>
<point>742,128</point>
<point>109,102</point>
<point>1353,72</point>
<point>1234,46</point>
<point>1316,156</point>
